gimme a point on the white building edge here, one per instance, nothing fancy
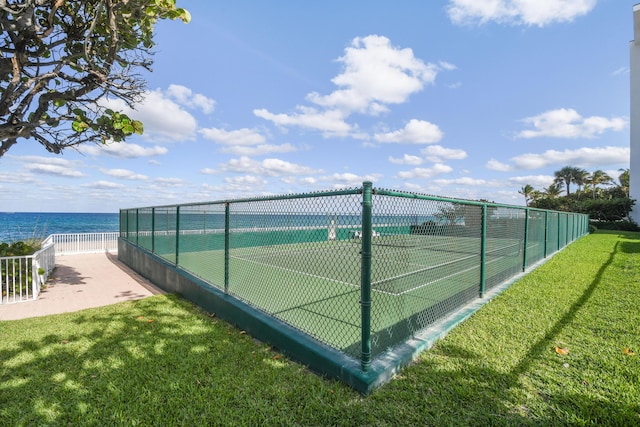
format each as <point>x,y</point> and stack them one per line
<point>634,166</point>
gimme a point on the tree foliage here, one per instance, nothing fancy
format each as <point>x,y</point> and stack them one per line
<point>570,175</point>
<point>607,200</point>
<point>60,60</point>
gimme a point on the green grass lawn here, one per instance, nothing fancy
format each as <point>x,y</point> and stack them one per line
<point>161,361</point>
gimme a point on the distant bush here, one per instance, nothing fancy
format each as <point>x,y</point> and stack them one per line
<point>15,271</point>
<point>18,248</point>
<point>614,225</point>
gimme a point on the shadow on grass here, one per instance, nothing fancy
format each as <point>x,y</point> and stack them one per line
<point>630,247</point>
<point>160,361</point>
<point>468,391</point>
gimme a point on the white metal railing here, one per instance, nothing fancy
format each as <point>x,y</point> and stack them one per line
<point>84,243</point>
<point>22,277</point>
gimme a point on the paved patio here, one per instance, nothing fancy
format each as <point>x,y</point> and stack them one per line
<point>83,281</point>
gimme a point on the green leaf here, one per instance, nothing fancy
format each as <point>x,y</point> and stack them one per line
<point>127,129</point>
<point>138,127</point>
<point>59,102</point>
<point>79,126</point>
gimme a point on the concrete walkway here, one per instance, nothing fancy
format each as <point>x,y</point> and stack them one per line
<point>83,281</point>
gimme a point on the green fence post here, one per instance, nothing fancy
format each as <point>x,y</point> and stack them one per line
<point>526,239</point>
<point>483,250</point>
<point>365,287</point>
<point>153,230</point>
<point>226,248</point>
<point>177,233</point>
<point>126,223</point>
<point>137,227</point>
<point>559,229</point>
<point>546,232</point>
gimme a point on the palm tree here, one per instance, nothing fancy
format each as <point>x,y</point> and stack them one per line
<point>568,175</point>
<point>624,180</point>
<point>598,177</point>
<point>553,190</point>
<point>527,192</point>
<point>582,176</point>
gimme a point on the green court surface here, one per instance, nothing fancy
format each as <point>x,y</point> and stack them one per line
<point>315,286</point>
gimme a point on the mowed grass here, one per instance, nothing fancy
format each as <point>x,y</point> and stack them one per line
<point>162,361</point>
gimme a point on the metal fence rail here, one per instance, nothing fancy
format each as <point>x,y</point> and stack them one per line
<point>22,277</point>
<point>83,243</point>
<point>361,270</point>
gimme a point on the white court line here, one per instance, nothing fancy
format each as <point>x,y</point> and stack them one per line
<point>445,277</point>
<point>312,275</point>
<point>315,276</point>
<point>422,270</point>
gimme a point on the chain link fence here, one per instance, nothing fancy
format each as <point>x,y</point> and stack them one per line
<point>360,270</point>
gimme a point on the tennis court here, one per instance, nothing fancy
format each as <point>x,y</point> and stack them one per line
<point>361,270</point>
<point>315,286</point>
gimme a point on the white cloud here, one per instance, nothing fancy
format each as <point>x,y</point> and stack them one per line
<point>53,170</point>
<point>259,150</point>
<point>347,179</point>
<point>329,122</point>
<point>269,167</point>
<point>170,182</point>
<point>425,173</point>
<point>406,160</point>
<point>467,181</point>
<point>164,120</point>
<point>621,71</point>
<point>414,132</point>
<point>246,183</point>
<point>121,150</point>
<point>435,153</point>
<point>495,165</point>
<point>537,181</point>
<point>185,96</point>
<point>234,137</point>
<point>124,174</point>
<point>244,142</point>
<point>375,75</point>
<point>567,123</point>
<point>245,180</point>
<point>16,177</point>
<point>518,12</point>
<point>582,157</point>
<point>51,166</point>
<point>104,185</point>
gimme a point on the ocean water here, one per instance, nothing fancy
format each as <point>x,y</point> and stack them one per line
<point>16,226</point>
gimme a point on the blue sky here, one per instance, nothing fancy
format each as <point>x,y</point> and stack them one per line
<point>458,98</point>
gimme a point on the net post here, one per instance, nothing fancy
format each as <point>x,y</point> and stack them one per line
<point>226,248</point>
<point>137,227</point>
<point>365,287</point>
<point>483,250</point>
<point>177,233</point>
<point>526,239</point>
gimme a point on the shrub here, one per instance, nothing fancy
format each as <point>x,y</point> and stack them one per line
<point>614,225</point>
